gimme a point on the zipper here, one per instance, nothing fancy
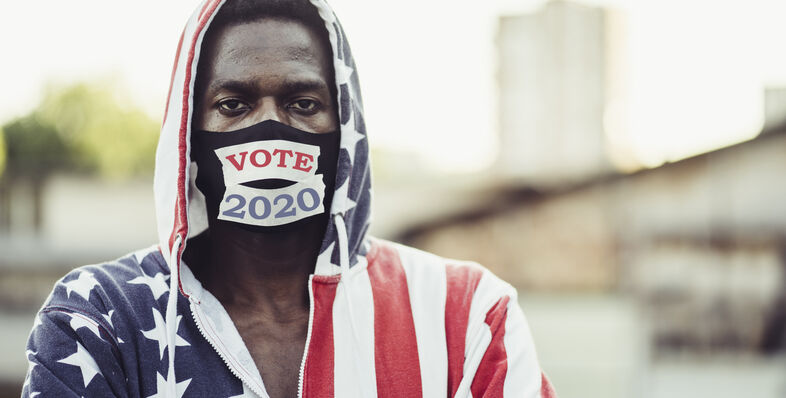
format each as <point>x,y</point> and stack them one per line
<point>308,335</point>
<point>204,334</point>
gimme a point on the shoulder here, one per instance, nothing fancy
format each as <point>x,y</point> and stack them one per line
<point>458,311</point>
<point>91,321</point>
<point>96,283</point>
<point>98,293</point>
<point>465,281</point>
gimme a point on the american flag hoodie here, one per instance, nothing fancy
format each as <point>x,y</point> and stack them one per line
<point>385,320</point>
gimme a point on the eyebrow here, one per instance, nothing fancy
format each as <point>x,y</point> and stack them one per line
<point>304,85</point>
<point>242,86</point>
<point>249,86</point>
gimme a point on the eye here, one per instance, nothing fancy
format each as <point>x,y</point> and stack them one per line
<point>232,106</point>
<point>304,106</point>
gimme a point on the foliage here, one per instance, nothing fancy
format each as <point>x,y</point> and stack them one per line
<point>33,148</point>
<point>2,152</point>
<point>105,136</point>
<point>81,127</point>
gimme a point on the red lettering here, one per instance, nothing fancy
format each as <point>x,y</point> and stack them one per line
<point>301,159</point>
<point>282,163</point>
<point>234,162</point>
<point>254,161</point>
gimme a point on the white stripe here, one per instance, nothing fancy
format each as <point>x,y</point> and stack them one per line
<point>524,376</point>
<point>427,291</point>
<point>354,372</point>
<point>490,289</point>
<point>476,348</point>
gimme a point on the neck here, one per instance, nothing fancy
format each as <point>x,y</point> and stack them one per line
<point>261,273</point>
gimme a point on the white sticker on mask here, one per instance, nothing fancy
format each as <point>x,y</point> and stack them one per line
<point>271,207</point>
<point>260,160</point>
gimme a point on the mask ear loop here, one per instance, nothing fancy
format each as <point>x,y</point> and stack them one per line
<point>171,313</point>
<point>343,255</point>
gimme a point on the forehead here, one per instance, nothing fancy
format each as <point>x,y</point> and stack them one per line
<point>263,44</point>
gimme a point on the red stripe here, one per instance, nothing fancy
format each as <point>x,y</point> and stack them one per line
<point>318,372</point>
<point>395,345</point>
<point>172,77</point>
<point>202,11</point>
<point>546,389</point>
<point>489,379</point>
<point>462,281</point>
<point>181,213</point>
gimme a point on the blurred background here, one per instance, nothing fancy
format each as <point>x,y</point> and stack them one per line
<point>620,162</point>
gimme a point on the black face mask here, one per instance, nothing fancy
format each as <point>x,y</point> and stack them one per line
<point>268,177</point>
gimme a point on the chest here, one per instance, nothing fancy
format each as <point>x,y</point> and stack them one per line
<point>277,351</point>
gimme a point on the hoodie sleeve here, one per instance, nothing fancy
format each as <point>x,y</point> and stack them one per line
<point>501,360</point>
<point>70,354</point>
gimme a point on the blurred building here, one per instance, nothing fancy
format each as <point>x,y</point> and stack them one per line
<point>774,106</point>
<point>80,220</point>
<point>554,84</point>
<point>700,241</point>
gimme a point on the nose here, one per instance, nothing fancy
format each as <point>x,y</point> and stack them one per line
<point>269,110</point>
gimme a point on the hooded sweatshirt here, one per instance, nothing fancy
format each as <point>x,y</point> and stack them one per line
<point>384,319</point>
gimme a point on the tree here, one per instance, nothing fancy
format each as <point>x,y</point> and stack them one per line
<point>78,128</point>
<point>103,135</point>
<point>33,149</point>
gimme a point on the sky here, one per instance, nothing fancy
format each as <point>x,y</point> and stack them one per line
<point>694,77</point>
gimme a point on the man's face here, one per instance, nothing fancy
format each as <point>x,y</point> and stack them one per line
<point>265,70</point>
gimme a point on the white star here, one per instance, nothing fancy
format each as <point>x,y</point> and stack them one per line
<point>157,284</point>
<point>343,73</point>
<point>247,393</point>
<point>158,333</point>
<point>350,137</point>
<point>81,321</point>
<point>162,389</point>
<point>342,202</point>
<point>108,318</point>
<point>33,394</point>
<point>324,265</point>
<point>139,255</point>
<point>81,285</point>
<point>84,361</point>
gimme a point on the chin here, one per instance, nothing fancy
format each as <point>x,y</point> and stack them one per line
<point>279,243</point>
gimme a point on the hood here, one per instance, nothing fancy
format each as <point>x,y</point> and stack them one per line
<point>180,206</point>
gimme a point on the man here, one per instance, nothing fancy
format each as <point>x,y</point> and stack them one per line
<point>265,283</point>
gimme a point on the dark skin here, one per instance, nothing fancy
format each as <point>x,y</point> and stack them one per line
<point>251,72</point>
